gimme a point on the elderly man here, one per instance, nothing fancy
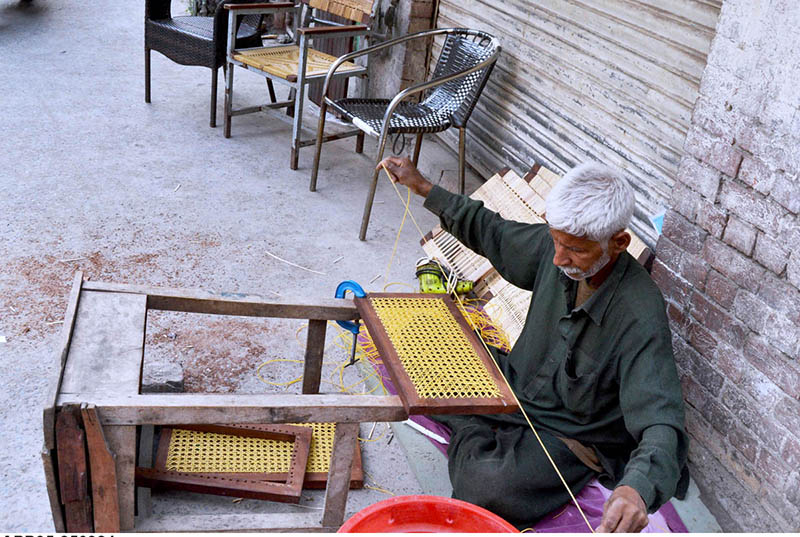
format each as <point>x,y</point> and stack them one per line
<point>593,366</point>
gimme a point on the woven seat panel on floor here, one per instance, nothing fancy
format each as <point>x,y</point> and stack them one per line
<point>367,115</point>
<point>282,61</point>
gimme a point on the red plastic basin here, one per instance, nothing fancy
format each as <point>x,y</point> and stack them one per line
<point>425,514</point>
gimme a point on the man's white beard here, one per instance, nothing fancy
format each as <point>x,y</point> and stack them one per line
<point>578,274</point>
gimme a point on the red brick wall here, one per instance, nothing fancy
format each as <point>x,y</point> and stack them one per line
<point>728,263</point>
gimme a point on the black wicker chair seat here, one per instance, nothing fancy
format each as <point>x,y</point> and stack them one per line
<point>367,114</point>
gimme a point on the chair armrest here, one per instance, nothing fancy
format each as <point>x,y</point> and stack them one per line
<point>319,30</point>
<point>265,7</point>
<point>369,50</point>
<point>422,86</point>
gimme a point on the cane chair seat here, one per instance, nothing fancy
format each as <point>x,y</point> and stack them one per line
<point>283,61</point>
<point>367,115</point>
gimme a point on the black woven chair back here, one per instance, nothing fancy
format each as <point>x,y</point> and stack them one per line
<point>461,50</point>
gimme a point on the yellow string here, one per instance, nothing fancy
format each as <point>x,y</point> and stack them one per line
<point>525,414</point>
<point>397,238</point>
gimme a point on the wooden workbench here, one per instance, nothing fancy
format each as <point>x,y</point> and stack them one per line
<point>101,356</point>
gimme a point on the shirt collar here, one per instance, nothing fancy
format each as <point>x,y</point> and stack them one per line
<point>598,303</point>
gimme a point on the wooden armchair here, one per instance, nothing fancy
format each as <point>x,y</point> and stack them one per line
<point>297,64</point>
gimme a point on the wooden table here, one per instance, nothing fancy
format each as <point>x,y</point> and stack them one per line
<point>99,379</point>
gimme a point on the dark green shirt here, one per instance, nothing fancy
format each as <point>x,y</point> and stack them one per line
<point>602,373</point>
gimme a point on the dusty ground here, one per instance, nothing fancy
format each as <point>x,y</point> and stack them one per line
<point>94,179</point>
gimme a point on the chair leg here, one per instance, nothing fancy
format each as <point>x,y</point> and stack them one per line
<point>228,99</point>
<point>297,124</point>
<point>271,90</point>
<point>213,118</point>
<point>371,194</point>
<point>146,74</point>
<point>462,142</point>
<point>360,143</point>
<point>417,147</point>
<point>318,149</point>
<point>292,97</point>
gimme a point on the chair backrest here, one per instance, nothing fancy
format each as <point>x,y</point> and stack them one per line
<point>462,49</point>
<point>355,10</point>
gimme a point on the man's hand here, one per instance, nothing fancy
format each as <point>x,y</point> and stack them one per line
<point>624,512</point>
<point>402,171</point>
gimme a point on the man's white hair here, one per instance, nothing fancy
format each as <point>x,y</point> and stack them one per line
<point>591,201</point>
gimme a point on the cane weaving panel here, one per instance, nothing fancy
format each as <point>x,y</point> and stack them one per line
<point>436,361</point>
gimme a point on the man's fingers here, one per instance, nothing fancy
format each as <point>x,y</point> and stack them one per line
<point>611,518</point>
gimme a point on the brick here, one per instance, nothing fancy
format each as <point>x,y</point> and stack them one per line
<point>678,320</point>
<point>668,252</point>
<point>786,191</point>
<point>757,175</point>
<point>791,452</point>
<point>702,340</point>
<point>733,264</point>
<point>781,296</point>
<point>421,8</point>
<point>740,235</point>
<point>714,151</point>
<point>770,253</point>
<point>749,381</point>
<point>771,433</point>
<point>721,289</point>
<point>701,368</point>
<point>782,332</point>
<point>740,405</point>
<point>773,364</point>
<point>672,286</point>
<point>712,114</point>
<point>694,270</point>
<point>772,468</point>
<point>744,441</point>
<point>768,146</point>
<point>751,310</point>
<point>751,207</point>
<point>717,321</point>
<point>684,201</point>
<point>712,218</point>
<point>788,413</point>
<point>793,269</point>
<point>683,233</point>
<point>793,493</point>
<point>698,176</point>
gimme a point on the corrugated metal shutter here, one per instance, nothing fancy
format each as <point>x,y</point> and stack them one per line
<point>611,80</point>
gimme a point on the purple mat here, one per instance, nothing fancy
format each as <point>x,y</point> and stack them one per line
<point>566,519</point>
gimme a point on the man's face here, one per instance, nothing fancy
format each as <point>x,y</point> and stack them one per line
<point>577,257</point>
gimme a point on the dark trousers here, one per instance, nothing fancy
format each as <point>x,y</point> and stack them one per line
<point>501,467</point>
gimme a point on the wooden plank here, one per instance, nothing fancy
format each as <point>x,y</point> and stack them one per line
<point>247,522</point>
<point>73,471</point>
<point>105,355</point>
<point>49,414</point>
<point>166,409</point>
<point>122,443</point>
<point>105,499</point>
<point>52,491</point>
<point>415,402</point>
<point>344,445</point>
<point>144,505</point>
<point>199,301</point>
<point>315,347</point>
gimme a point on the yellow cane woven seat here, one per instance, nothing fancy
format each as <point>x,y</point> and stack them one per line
<point>283,61</point>
<point>195,451</point>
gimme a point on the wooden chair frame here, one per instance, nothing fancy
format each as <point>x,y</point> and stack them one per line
<point>110,369</point>
<point>303,37</point>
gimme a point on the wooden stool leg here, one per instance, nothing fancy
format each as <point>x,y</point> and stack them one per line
<point>344,446</point>
<point>146,75</point>
<point>213,119</point>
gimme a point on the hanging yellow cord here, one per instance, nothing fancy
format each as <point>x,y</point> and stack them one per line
<point>525,414</point>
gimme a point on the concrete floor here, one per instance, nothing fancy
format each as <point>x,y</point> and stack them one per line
<point>94,179</point>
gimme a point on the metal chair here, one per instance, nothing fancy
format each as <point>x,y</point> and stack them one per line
<point>464,65</point>
<point>190,40</point>
<point>297,64</point>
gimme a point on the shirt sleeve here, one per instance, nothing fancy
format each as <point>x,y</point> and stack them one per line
<point>652,406</point>
<point>514,249</point>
